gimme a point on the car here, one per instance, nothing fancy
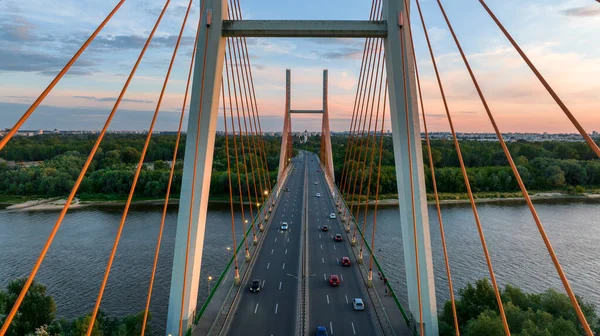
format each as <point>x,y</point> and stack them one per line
<point>255,286</point>
<point>332,215</point>
<point>324,228</point>
<point>318,195</point>
<point>345,261</point>
<point>321,331</point>
<point>317,170</point>
<point>287,189</point>
<point>338,237</point>
<point>284,225</point>
<point>358,304</point>
<point>316,182</point>
<point>334,280</point>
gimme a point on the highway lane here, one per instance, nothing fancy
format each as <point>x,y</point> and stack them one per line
<point>273,310</point>
<point>332,306</point>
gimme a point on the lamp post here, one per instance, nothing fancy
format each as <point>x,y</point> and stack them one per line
<point>228,251</point>
<point>209,280</point>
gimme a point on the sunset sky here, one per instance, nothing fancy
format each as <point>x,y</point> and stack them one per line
<point>37,37</point>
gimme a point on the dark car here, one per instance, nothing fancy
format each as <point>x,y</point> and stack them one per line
<point>255,286</point>
<point>321,331</point>
<point>287,189</point>
<point>325,228</point>
<point>345,261</point>
<point>334,280</point>
<point>338,237</point>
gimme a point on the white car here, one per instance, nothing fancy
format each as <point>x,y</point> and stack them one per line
<point>316,182</point>
<point>284,225</point>
<point>332,215</point>
<point>358,304</point>
<point>318,195</point>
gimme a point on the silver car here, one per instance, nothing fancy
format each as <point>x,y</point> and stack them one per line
<point>358,304</point>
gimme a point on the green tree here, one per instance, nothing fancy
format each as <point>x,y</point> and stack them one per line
<point>36,310</point>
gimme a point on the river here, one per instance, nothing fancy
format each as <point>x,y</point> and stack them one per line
<point>76,261</point>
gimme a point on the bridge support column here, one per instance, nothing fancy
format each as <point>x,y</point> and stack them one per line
<point>404,133</point>
<point>326,137</point>
<point>287,128</point>
<point>208,71</point>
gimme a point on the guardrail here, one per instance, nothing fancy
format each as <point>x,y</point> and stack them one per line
<point>408,318</point>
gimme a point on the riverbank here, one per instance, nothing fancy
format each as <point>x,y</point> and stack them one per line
<point>56,204</point>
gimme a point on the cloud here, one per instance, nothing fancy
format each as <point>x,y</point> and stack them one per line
<point>43,63</point>
<point>592,10</point>
<point>343,53</point>
<point>110,99</point>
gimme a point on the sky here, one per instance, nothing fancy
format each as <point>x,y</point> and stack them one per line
<point>37,37</point>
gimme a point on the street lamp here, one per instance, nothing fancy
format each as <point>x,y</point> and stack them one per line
<point>266,192</point>
<point>228,250</point>
<point>209,280</point>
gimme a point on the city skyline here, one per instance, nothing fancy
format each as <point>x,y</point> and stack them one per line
<point>38,41</point>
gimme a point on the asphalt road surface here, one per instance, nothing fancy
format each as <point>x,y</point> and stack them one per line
<point>331,307</point>
<point>273,310</point>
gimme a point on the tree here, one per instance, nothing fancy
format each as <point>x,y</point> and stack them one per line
<point>36,310</point>
<point>130,155</point>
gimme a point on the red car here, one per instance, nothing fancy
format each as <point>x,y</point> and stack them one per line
<point>338,237</point>
<point>334,280</point>
<point>325,228</point>
<point>345,261</point>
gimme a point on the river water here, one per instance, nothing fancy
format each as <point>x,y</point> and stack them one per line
<point>75,263</point>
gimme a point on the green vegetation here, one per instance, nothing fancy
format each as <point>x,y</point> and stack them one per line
<point>545,314</point>
<point>36,316</point>
<point>111,173</point>
<point>544,166</point>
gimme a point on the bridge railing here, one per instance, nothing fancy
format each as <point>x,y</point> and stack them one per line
<point>408,318</point>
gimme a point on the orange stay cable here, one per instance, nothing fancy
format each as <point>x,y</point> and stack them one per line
<point>133,185</point>
<point>171,173</point>
<point>412,187</point>
<point>192,193</point>
<point>65,208</point>
<point>58,77</point>
<point>557,99</point>
<point>237,110</point>
<point>513,167</point>
<point>467,185</point>
<point>237,164</point>
<point>433,180</point>
<point>235,261</point>
<point>377,183</point>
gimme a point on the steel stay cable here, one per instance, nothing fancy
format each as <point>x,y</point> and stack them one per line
<point>363,146</point>
<point>237,272</point>
<point>410,173</point>
<point>467,184</point>
<point>133,185</point>
<point>530,205</point>
<point>594,147</point>
<point>237,110</point>
<point>56,79</point>
<point>65,208</point>
<point>368,41</point>
<point>369,179</point>
<point>371,255</point>
<point>431,167</point>
<point>172,171</point>
<point>237,164</point>
<point>356,167</point>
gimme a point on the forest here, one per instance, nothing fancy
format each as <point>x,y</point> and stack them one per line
<point>48,165</point>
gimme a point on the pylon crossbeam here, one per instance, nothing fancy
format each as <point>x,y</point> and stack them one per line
<point>307,111</point>
<point>304,28</point>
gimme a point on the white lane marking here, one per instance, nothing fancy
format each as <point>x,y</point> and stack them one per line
<point>327,299</point>
<point>256,308</point>
<point>285,251</point>
<point>322,260</point>
<point>276,306</point>
<point>275,239</point>
<point>269,264</point>
<point>272,250</point>
<point>321,246</point>
<point>288,240</point>
<point>337,260</point>
<point>342,277</point>
<point>319,235</point>
<point>290,230</point>
<point>280,288</point>
<point>353,330</point>
<point>324,277</point>
<point>334,247</point>
<point>331,327</point>
<point>346,298</point>
<point>283,267</point>
<point>263,284</point>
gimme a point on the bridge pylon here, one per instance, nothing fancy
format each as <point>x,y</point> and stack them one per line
<point>325,153</point>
